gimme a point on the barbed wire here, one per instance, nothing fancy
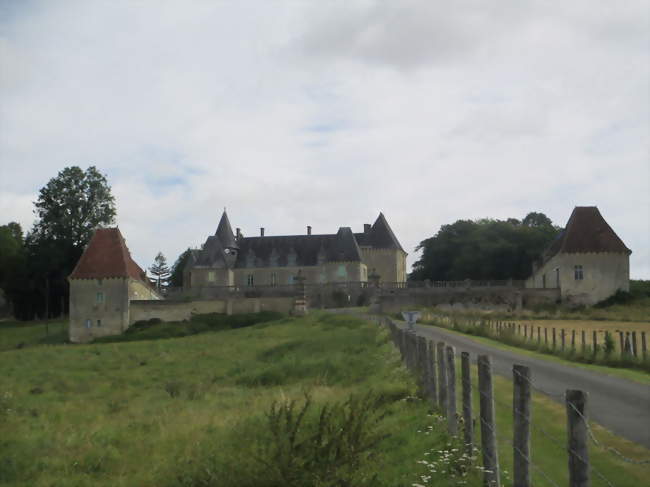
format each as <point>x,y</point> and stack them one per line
<point>554,439</point>
<point>590,432</point>
<point>530,462</point>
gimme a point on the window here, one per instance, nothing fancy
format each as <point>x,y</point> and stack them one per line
<point>544,281</point>
<point>342,271</point>
<point>577,272</point>
<point>274,279</point>
<point>250,282</point>
<point>212,276</point>
<point>89,323</point>
<point>99,322</point>
<point>99,298</point>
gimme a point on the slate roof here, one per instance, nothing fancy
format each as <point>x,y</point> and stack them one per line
<point>107,256</point>
<point>298,250</point>
<point>224,232</point>
<point>380,236</point>
<point>587,231</point>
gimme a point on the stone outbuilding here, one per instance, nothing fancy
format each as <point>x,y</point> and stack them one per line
<point>102,284</point>
<point>587,261</point>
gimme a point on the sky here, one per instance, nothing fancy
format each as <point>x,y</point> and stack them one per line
<point>296,113</point>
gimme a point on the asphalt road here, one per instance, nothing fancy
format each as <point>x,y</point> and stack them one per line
<point>622,406</point>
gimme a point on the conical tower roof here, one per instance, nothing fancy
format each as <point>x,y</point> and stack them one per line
<point>382,236</point>
<point>225,234</point>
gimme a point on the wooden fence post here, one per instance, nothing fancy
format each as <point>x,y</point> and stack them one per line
<point>622,342</point>
<point>546,336</point>
<point>452,418</point>
<point>423,370</point>
<point>584,342</point>
<point>576,410</point>
<point>539,335</point>
<point>468,425</point>
<point>563,337</point>
<point>635,351</point>
<point>521,425</point>
<point>433,390</point>
<point>442,377</point>
<point>644,346</point>
<point>594,341</point>
<point>628,345</point>
<point>573,340</point>
<point>554,339</point>
<point>491,477</point>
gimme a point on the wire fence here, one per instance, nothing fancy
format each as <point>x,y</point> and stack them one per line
<point>627,347</point>
<point>434,366</point>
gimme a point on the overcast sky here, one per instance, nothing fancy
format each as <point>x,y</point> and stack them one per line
<point>325,113</point>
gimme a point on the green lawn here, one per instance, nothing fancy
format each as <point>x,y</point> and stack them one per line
<point>191,411</point>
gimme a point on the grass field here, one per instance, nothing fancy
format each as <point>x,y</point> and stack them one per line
<point>191,411</point>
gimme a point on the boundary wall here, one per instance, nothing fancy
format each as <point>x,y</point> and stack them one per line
<point>183,310</point>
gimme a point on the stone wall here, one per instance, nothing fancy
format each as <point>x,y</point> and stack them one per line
<point>98,307</point>
<point>602,275</point>
<point>183,310</point>
<point>389,264</point>
<point>469,298</point>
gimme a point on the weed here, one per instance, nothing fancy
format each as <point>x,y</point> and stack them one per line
<point>330,451</point>
<point>173,388</point>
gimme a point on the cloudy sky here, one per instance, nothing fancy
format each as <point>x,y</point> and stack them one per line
<point>325,113</point>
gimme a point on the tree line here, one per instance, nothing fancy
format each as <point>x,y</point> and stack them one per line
<point>484,249</point>
<point>34,266</point>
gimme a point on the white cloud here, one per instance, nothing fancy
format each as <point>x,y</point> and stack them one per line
<point>326,113</point>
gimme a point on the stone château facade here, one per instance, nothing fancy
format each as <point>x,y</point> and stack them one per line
<point>588,262</point>
<point>230,259</point>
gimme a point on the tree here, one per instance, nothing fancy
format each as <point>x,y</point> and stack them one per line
<point>69,208</point>
<point>484,249</point>
<point>72,205</point>
<point>176,279</point>
<point>160,271</point>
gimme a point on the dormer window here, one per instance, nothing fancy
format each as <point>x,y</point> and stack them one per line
<point>292,258</point>
<point>250,259</point>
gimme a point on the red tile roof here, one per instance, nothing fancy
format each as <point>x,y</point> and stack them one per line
<point>107,256</point>
<point>587,231</point>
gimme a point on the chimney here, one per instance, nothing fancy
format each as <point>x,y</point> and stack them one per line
<point>308,229</point>
<point>261,231</point>
<point>366,228</point>
<point>238,233</point>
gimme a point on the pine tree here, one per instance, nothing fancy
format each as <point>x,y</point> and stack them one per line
<point>160,271</point>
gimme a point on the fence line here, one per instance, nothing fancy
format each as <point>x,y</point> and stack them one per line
<point>630,345</point>
<point>578,429</point>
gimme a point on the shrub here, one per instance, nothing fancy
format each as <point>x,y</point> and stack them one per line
<point>340,298</point>
<point>332,450</point>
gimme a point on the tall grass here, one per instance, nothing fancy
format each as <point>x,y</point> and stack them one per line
<point>603,354</point>
<point>197,410</point>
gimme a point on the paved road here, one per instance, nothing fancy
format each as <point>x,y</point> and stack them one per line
<point>620,405</point>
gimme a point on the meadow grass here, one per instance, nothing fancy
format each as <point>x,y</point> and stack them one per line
<point>191,411</point>
<point>19,334</point>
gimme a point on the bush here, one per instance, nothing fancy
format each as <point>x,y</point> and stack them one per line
<point>329,451</point>
<point>200,323</point>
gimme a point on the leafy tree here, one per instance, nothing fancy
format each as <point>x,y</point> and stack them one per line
<point>72,205</point>
<point>160,271</point>
<point>69,208</point>
<point>176,278</point>
<point>12,260</point>
<point>484,249</point>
